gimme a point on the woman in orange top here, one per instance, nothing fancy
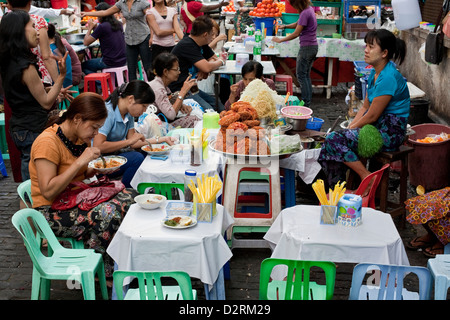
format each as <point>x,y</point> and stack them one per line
<point>59,156</point>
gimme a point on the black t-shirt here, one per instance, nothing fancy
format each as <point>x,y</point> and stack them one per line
<point>27,113</point>
<point>188,53</point>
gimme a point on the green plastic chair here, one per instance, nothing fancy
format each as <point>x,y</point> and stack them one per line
<point>297,285</point>
<point>65,264</point>
<point>151,288</point>
<point>25,189</point>
<point>164,189</point>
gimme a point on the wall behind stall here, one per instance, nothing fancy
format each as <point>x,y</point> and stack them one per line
<point>434,80</point>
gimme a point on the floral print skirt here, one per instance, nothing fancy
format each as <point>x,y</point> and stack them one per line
<point>433,209</point>
<point>95,227</point>
<point>342,146</point>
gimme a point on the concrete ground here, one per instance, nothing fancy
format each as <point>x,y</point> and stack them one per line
<point>16,267</point>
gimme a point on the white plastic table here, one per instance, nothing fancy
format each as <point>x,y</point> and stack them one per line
<point>142,243</point>
<point>297,234</point>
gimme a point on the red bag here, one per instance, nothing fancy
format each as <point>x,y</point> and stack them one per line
<point>87,196</point>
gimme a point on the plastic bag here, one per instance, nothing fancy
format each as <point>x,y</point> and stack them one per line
<point>285,144</point>
<point>150,125</point>
<point>196,109</point>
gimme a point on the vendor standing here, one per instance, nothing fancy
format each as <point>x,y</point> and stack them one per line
<point>306,29</point>
<point>386,107</point>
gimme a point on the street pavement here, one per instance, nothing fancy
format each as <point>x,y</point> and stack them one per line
<point>16,267</point>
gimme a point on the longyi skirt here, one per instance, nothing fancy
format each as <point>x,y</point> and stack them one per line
<point>342,146</point>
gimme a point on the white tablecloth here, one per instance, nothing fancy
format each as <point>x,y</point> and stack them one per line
<point>305,163</point>
<point>142,243</point>
<point>343,49</point>
<point>297,234</point>
<point>152,170</point>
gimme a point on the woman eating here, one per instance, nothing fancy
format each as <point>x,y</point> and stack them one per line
<point>251,70</point>
<point>386,107</point>
<point>59,156</point>
<point>118,136</point>
<point>167,70</point>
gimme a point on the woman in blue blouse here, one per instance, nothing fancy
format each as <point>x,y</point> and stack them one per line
<point>386,107</point>
<point>117,135</point>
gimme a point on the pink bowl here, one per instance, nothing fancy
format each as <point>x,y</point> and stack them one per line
<point>296,112</point>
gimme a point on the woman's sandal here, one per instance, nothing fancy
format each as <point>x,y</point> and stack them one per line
<point>432,251</point>
<point>423,244</point>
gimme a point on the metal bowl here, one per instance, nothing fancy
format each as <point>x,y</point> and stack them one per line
<point>297,124</point>
<point>307,143</point>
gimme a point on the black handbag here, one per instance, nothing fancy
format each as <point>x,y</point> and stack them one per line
<point>434,45</point>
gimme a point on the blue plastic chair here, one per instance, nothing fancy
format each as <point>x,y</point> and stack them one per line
<point>297,285</point>
<point>440,270</point>
<point>389,286</point>
<point>24,189</point>
<point>2,166</point>
<point>65,264</point>
<point>151,288</point>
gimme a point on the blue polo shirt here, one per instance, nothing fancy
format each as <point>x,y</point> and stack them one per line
<point>115,128</point>
<point>390,82</point>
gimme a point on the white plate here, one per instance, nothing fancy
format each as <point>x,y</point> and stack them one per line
<point>120,159</point>
<point>194,222</point>
<point>159,146</point>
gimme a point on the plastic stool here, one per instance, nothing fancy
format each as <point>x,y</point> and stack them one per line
<point>117,75</point>
<point>105,80</point>
<point>440,270</point>
<point>230,194</point>
<point>287,79</point>
<point>2,166</point>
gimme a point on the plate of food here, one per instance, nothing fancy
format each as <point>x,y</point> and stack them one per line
<point>156,149</point>
<point>110,164</point>
<point>179,222</point>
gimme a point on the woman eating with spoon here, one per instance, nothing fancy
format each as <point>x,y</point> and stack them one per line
<point>117,136</point>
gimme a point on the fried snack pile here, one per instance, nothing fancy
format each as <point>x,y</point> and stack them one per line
<point>240,132</point>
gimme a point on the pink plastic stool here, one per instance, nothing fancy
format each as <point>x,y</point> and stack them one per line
<point>105,80</point>
<point>285,78</point>
<point>119,74</point>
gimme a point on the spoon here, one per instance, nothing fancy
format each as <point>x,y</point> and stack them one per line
<point>104,161</point>
<point>150,145</point>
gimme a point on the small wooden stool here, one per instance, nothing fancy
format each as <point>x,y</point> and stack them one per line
<point>390,157</point>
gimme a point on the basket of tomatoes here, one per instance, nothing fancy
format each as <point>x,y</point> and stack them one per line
<point>266,9</point>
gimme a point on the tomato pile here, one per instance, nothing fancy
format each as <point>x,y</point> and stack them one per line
<point>267,8</point>
<point>229,7</point>
<point>85,19</point>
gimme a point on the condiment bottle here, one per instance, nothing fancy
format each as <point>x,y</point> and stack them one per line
<point>196,151</point>
<point>189,175</point>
